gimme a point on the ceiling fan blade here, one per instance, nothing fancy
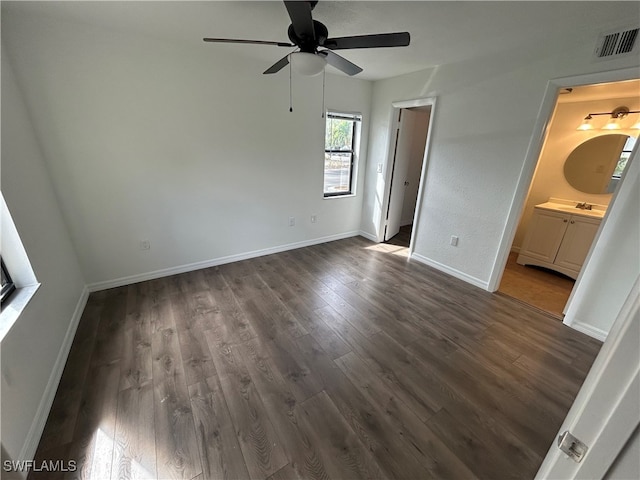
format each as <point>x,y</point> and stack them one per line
<point>300,13</point>
<point>340,63</point>
<point>257,42</point>
<point>276,67</point>
<point>398,39</point>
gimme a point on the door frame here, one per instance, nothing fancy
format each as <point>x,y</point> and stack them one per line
<point>393,132</point>
<point>604,413</point>
<point>534,150</point>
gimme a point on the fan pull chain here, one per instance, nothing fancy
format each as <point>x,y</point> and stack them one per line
<point>290,95</point>
<point>324,75</point>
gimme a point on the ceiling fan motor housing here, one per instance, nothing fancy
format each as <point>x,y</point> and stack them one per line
<point>308,44</point>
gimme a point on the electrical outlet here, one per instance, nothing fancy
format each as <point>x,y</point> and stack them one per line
<point>454,241</point>
<point>292,221</point>
<point>314,218</point>
<point>379,168</point>
<point>145,245</point>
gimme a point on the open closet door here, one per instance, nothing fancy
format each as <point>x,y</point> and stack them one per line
<point>401,160</point>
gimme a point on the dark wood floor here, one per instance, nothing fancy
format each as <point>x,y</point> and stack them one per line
<point>337,361</point>
<point>403,238</point>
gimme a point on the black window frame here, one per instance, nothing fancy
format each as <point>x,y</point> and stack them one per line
<point>8,287</point>
<point>354,118</point>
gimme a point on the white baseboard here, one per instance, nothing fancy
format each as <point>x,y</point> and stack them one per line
<point>30,446</point>
<point>368,236</point>
<point>515,249</point>
<point>451,271</point>
<point>165,272</point>
<point>587,329</point>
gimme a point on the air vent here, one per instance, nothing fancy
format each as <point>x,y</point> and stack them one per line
<point>618,43</point>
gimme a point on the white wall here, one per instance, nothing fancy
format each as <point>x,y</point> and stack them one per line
<point>180,144</point>
<point>562,138</point>
<point>30,358</point>
<point>481,129</point>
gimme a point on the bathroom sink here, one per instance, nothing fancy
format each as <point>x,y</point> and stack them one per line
<point>569,208</point>
<point>576,211</point>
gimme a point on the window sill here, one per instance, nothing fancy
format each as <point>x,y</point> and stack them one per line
<point>333,197</point>
<point>14,306</point>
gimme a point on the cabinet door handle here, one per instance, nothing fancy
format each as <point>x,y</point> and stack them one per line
<point>573,221</point>
<point>565,220</point>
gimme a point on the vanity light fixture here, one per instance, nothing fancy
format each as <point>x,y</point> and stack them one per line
<point>613,124</point>
<point>586,123</point>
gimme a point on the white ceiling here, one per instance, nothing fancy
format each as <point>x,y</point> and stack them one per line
<point>441,32</point>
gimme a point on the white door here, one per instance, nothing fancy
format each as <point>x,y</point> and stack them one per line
<point>400,167</point>
<point>605,414</point>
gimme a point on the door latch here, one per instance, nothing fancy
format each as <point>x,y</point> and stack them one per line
<point>571,446</point>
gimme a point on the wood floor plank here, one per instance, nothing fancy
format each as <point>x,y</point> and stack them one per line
<point>260,444</point>
<point>136,363</point>
<point>407,384</point>
<point>109,338</point>
<point>236,326</point>
<point>367,421</point>
<point>176,445</point>
<point>302,302</point>
<point>64,411</point>
<point>286,473</point>
<point>281,405</point>
<point>479,450</point>
<point>424,444</point>
<point>378,311</point>
<point>356,318</point>
<point>132,457</point>
<point>292,365</point>
<point>252,289</point>
<point>219,448</point>
<point>191,282</point>
<point>341,451</point>
<point>478,399</point>
<point>94,433</point>
<point>191,312</point>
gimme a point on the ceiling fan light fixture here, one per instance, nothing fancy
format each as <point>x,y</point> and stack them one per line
<point>307,64</point>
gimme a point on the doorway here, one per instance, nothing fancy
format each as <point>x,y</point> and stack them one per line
<point>409,140</point>
<point>546,288</point>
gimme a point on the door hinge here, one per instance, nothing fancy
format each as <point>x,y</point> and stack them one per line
<point>571,446</point>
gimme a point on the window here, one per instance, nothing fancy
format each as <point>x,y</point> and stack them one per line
<point>341,140</point>
<point>624,157</point>
<point>7,284</point>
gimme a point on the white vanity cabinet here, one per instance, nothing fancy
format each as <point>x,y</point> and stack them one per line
<point>557,240</point>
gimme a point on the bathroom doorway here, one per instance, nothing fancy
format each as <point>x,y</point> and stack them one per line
<point>543,284</point>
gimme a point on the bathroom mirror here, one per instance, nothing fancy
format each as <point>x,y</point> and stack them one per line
<point>593,165</point>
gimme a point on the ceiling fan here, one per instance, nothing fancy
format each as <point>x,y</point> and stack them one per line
<point>308,35</point>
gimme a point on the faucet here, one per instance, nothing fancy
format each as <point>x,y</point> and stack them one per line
<point>584,206</point>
